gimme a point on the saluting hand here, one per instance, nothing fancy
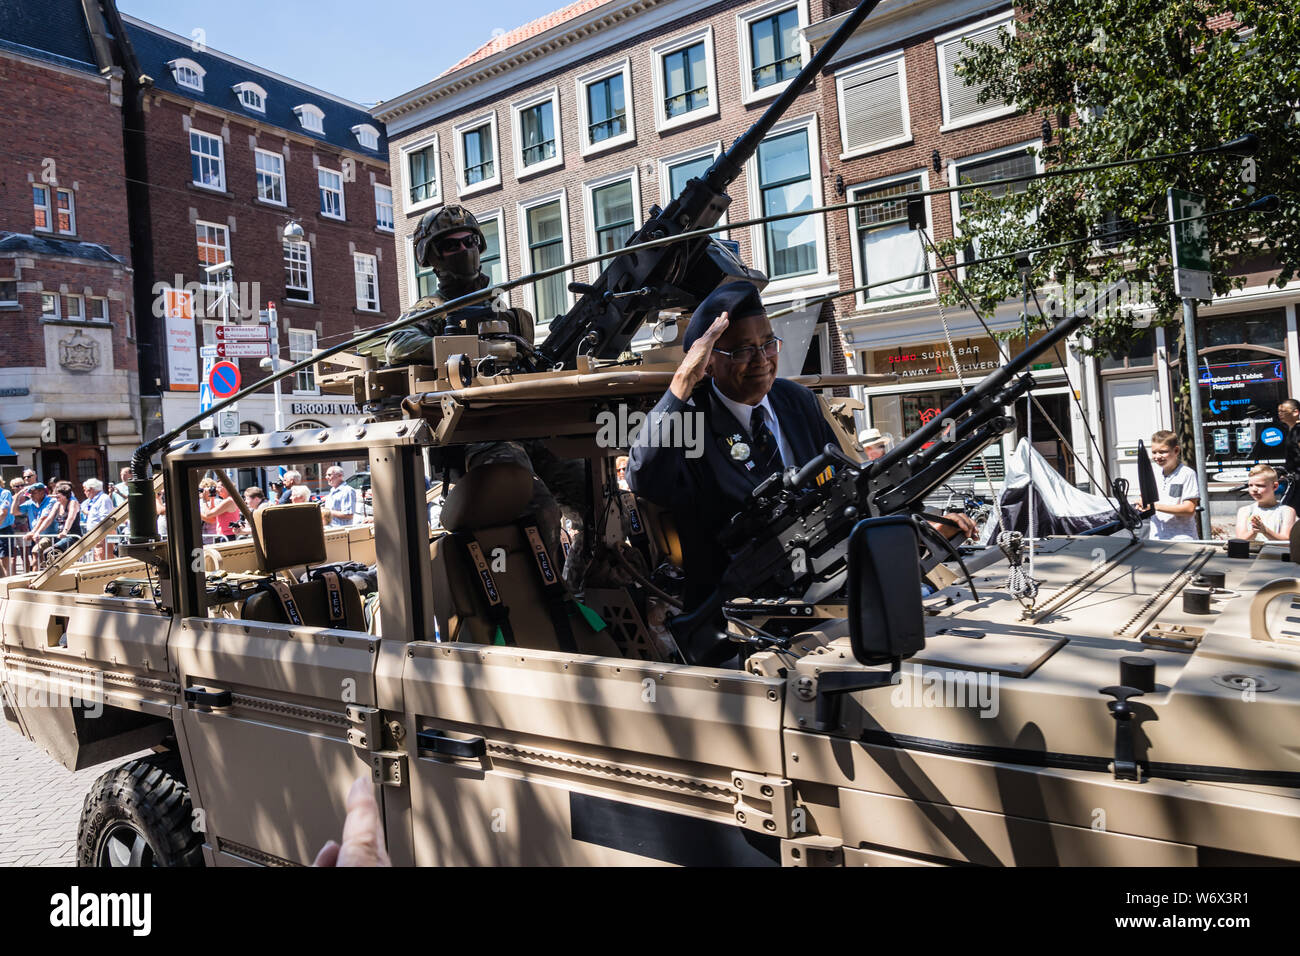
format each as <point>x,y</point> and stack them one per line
<point>696,363</point>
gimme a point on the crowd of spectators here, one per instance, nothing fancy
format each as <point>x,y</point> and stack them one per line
<point>39,518</point>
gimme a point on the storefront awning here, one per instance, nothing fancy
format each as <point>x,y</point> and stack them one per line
<point>7,456</point>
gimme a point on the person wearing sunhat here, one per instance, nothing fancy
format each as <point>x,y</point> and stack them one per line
<point>873,443</point>
<point>754,425</point>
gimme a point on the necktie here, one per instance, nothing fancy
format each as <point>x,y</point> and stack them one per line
<point>766,455</point>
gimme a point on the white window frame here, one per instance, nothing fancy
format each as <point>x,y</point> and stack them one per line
<point>743,20</point>
<point>241,91</point>
<point>303,353</point>
<point>206,280</point>
<point>368,260</point>
<point>58,307</point>
<point>757,241</point>
<point>458,133</point>
<point>311,289</point>
<point>48,206</point>
<point>392,217</point>
<point>76,311</point>
<point>623,66</point>
<point>526,259</point>
<point>221,159</point>
<point>863,299</point>
<point>954,198</point>
<point>311,118</point>
<point>367,136</point>
<point>841,76</point>
<point>405,174</point>
<point>992,110</point>
<point>7,301</point>
<point>680,42</point>
<point>184,63</point>
<point>72,211</point>
<point>284,186</point>
<point>320,187</point>
<point>498,216</point>
<point>101,313</point>
<point>666,163</point>
<point>589,209</point>
<point>517,108</point>
<point>412,282</point>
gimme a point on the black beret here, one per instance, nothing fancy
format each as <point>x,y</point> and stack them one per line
<point>739,299</point>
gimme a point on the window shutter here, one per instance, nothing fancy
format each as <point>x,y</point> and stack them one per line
<point>873,107</point>
<point>963,97</point>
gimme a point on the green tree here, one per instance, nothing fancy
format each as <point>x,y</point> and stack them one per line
<point>1120,79</point>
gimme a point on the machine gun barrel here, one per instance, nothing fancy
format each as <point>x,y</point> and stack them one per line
<point>635,287</point>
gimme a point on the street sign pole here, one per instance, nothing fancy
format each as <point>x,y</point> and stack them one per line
<point>1198,430</point>
<point>1192,281</point>
<point>275,362</point>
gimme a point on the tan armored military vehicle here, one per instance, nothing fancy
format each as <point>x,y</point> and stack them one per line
<point>1082,700</point>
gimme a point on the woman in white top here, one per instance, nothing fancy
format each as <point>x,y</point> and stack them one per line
<point>1266,516</point>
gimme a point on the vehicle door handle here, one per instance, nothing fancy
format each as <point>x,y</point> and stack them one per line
<point>451,746</point>
<point>212,698</point>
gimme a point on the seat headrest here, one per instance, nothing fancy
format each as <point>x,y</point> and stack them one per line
<point>289,536</point>
<point>488,496</point>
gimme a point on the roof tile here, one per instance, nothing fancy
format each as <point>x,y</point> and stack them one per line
<point>539,26</point>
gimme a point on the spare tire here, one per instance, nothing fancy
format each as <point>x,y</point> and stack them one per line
<point>140,815</point>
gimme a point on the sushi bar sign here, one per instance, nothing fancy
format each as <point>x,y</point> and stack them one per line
<point>933,361</point>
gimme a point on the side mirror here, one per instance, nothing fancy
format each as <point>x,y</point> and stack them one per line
<point>886,620</point>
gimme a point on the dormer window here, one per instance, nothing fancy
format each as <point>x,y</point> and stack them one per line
<point>311,117</point>
<point>188,74</point>
<point>367,135</point>
<point>252,96</point>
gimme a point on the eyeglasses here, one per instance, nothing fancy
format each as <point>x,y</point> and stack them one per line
<point>747,353</point>
<point>452,244</point>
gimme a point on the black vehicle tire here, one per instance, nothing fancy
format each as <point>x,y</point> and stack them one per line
<point>140,814</point>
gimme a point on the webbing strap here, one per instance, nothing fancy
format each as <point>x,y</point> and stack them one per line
<point>287,603</point>
<point>637,535</point>
<point>498,613</point>
<point>553,591</point>
<point>334,592</point>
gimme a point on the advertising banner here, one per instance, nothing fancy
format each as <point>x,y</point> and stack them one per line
<point>182,341</point>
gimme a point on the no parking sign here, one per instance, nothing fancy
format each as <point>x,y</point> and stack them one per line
<point>224,379</point>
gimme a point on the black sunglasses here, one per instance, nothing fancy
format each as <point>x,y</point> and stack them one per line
<point>452,244</point>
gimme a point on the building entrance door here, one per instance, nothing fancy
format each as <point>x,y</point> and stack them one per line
<point>1132,415</point>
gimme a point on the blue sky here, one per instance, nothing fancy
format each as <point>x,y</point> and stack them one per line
<point>364,50</point>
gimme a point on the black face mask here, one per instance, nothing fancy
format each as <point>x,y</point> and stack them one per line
<point>459,267</point>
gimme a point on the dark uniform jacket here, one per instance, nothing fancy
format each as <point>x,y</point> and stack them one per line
<point>704,493</point>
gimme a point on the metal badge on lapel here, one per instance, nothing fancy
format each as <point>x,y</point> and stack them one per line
<point>740,451</point>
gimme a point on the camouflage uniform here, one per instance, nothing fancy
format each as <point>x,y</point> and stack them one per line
<point>458,274</point>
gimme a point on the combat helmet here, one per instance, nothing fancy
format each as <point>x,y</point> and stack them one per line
<point>438,222</point>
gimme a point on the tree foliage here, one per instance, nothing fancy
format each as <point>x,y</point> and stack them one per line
<point>1120,79</point>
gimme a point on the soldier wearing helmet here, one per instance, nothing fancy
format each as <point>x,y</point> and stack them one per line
<point>449,241</point>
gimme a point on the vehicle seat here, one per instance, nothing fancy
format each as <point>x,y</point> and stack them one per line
<point>288,537</point>
<point>490,508</point>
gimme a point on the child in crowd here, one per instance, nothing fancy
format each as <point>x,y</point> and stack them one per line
<point>1175,517</point>
<point>1267,516</point>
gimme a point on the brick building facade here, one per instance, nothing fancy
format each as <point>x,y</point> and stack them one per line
<point>68,376</point>
<point>232,154</point>
<point>560,136</point>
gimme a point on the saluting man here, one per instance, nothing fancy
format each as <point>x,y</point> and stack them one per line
<point>755,425</point>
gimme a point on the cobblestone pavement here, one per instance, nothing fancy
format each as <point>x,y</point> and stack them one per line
<point>40,804</point>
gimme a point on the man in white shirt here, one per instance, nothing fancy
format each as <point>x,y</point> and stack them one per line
<point>1180,494</point>
<point>95,509</point>
<point>341,503</point>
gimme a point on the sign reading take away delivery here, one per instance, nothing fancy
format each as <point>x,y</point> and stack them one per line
<point>1191,245</point>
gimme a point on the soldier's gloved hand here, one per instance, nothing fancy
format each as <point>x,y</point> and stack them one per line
<point>363,833</point>
<point>696,363</point>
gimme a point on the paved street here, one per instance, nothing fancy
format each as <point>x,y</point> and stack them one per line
<point>40,804</point>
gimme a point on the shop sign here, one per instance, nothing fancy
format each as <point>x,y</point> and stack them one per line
<point>1239,409</point>
<point>933,361</point>
<point>323,408</point>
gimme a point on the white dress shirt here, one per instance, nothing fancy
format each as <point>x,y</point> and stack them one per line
<point>744,413</point>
